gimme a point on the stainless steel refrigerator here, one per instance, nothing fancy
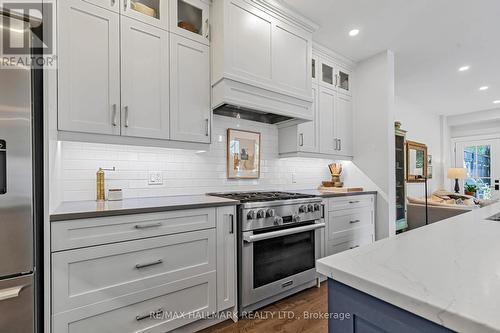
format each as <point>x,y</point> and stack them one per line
<point>18,209</point>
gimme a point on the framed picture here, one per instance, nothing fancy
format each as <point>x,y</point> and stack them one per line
<point>243,154</point>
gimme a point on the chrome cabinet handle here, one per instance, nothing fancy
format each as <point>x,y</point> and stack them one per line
<point>322,211</point>
<point>125,4</point>
<point>147,226</point>
<point>301,139</point>
<point>149,264</point>
<point>9,293</point>
<point>354,202</point>
<point>126,116</point>
<point>335,142</point>
<point>231,229</point>
<point>149,315</point>
<point>113,2</point>
<point>354,221</point>
<point>353,247</point>
<point>207,128</point>
<point>207,29</point>
<point>340,144</point>
<point>114,115</point>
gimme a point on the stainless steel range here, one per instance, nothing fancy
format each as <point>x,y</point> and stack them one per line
<point>280,237</point>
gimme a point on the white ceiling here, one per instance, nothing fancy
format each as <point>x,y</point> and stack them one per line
<point>431,40</point>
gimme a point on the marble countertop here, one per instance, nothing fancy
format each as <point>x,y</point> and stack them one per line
<point>447,272</point>
<point>89,209</point>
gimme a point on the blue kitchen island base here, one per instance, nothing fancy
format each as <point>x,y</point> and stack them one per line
<point>362,313</point>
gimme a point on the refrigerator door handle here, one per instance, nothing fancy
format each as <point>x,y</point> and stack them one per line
<point>3,167</point>
<point>9,293</point>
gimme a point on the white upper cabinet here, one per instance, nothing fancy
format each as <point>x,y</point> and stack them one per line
<point>327,73</point>
<point>89,68</point>
<point>113,5</point>
<point>327,107</point>
<point>344,81</point>
<point>145,80</point>
<point>189,90</point>
<point>308,132</point>
<point>191,19</point>
<point>154,12</point>
<point>344,126</point>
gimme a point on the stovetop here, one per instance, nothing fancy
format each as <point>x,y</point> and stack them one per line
<point>245,197</point>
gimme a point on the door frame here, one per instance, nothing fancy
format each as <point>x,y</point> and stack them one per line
<point>454,142</point>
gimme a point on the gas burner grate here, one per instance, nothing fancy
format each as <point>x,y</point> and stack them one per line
<point>244,197</point>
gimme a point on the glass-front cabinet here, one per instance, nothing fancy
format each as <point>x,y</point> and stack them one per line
<point>481,159</point>
<point>344,81</point>
<point>327,73</point>
<point>190,19</point>
<point>153,12</point>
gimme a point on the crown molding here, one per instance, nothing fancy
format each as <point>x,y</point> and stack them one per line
<point>278,8</point>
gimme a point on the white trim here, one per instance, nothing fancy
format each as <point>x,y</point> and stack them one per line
<point>336,57</point>
<point>474,138</point>
<point>283,12</point>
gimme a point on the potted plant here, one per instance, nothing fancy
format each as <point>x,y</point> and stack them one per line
<point>470,189</point>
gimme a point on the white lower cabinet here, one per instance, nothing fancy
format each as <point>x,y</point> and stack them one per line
<point>351,222</point>
<point>226,258</point>
<point>174,274</point>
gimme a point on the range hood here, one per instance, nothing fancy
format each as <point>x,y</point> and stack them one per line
<point>261,62</point>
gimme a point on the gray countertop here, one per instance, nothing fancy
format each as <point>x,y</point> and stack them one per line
<point>333,194</point>
<point>73,210</point>
<point>90,209</point>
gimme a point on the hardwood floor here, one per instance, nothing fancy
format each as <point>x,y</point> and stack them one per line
<point>286,316</point>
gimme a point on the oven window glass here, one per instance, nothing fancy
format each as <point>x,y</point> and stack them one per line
<point>277,258</point>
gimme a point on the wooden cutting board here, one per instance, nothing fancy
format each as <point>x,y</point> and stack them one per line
<point>340,189</point>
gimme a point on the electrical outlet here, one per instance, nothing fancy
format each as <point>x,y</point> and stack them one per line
<point>294,178</point>
<point>155,178</point>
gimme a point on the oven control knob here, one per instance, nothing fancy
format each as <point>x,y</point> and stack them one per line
<point>251,215</point>
<point>261,214</point>
<point>296,218</point>
<point>270,213</point>
<point>317,207</point>
<point>310,208</point>
<point>278,220</point>
<point>303,209</point>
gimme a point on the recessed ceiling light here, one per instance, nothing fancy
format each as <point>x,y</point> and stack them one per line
<point>497,101</point>
<point>354,32</point>
<point>483,88</point>
<point>463,68</point>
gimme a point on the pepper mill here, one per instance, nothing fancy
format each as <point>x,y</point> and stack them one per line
<point>100,185</point>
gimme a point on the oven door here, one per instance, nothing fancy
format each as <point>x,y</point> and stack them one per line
<point>278,260</point>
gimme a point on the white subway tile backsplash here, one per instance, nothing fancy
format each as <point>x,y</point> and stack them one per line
<point>184,171</point>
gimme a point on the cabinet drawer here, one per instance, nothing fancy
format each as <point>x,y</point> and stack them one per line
<point>349,243</point>
<point>192,297</point>
<point>96,231</point>
<point>349,219</point>
<point>86,276</point>
<point>356,201</point>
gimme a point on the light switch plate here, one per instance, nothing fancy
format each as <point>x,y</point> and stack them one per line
<point>155,178</point>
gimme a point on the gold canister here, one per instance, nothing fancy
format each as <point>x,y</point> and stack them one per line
<point>100,185</point>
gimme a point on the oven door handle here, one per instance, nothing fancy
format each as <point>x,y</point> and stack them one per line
<point>279,233</point>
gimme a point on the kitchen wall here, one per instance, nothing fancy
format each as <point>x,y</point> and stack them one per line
<point>424,127</point>
<point>187,171</point>
<point>374,134</point>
